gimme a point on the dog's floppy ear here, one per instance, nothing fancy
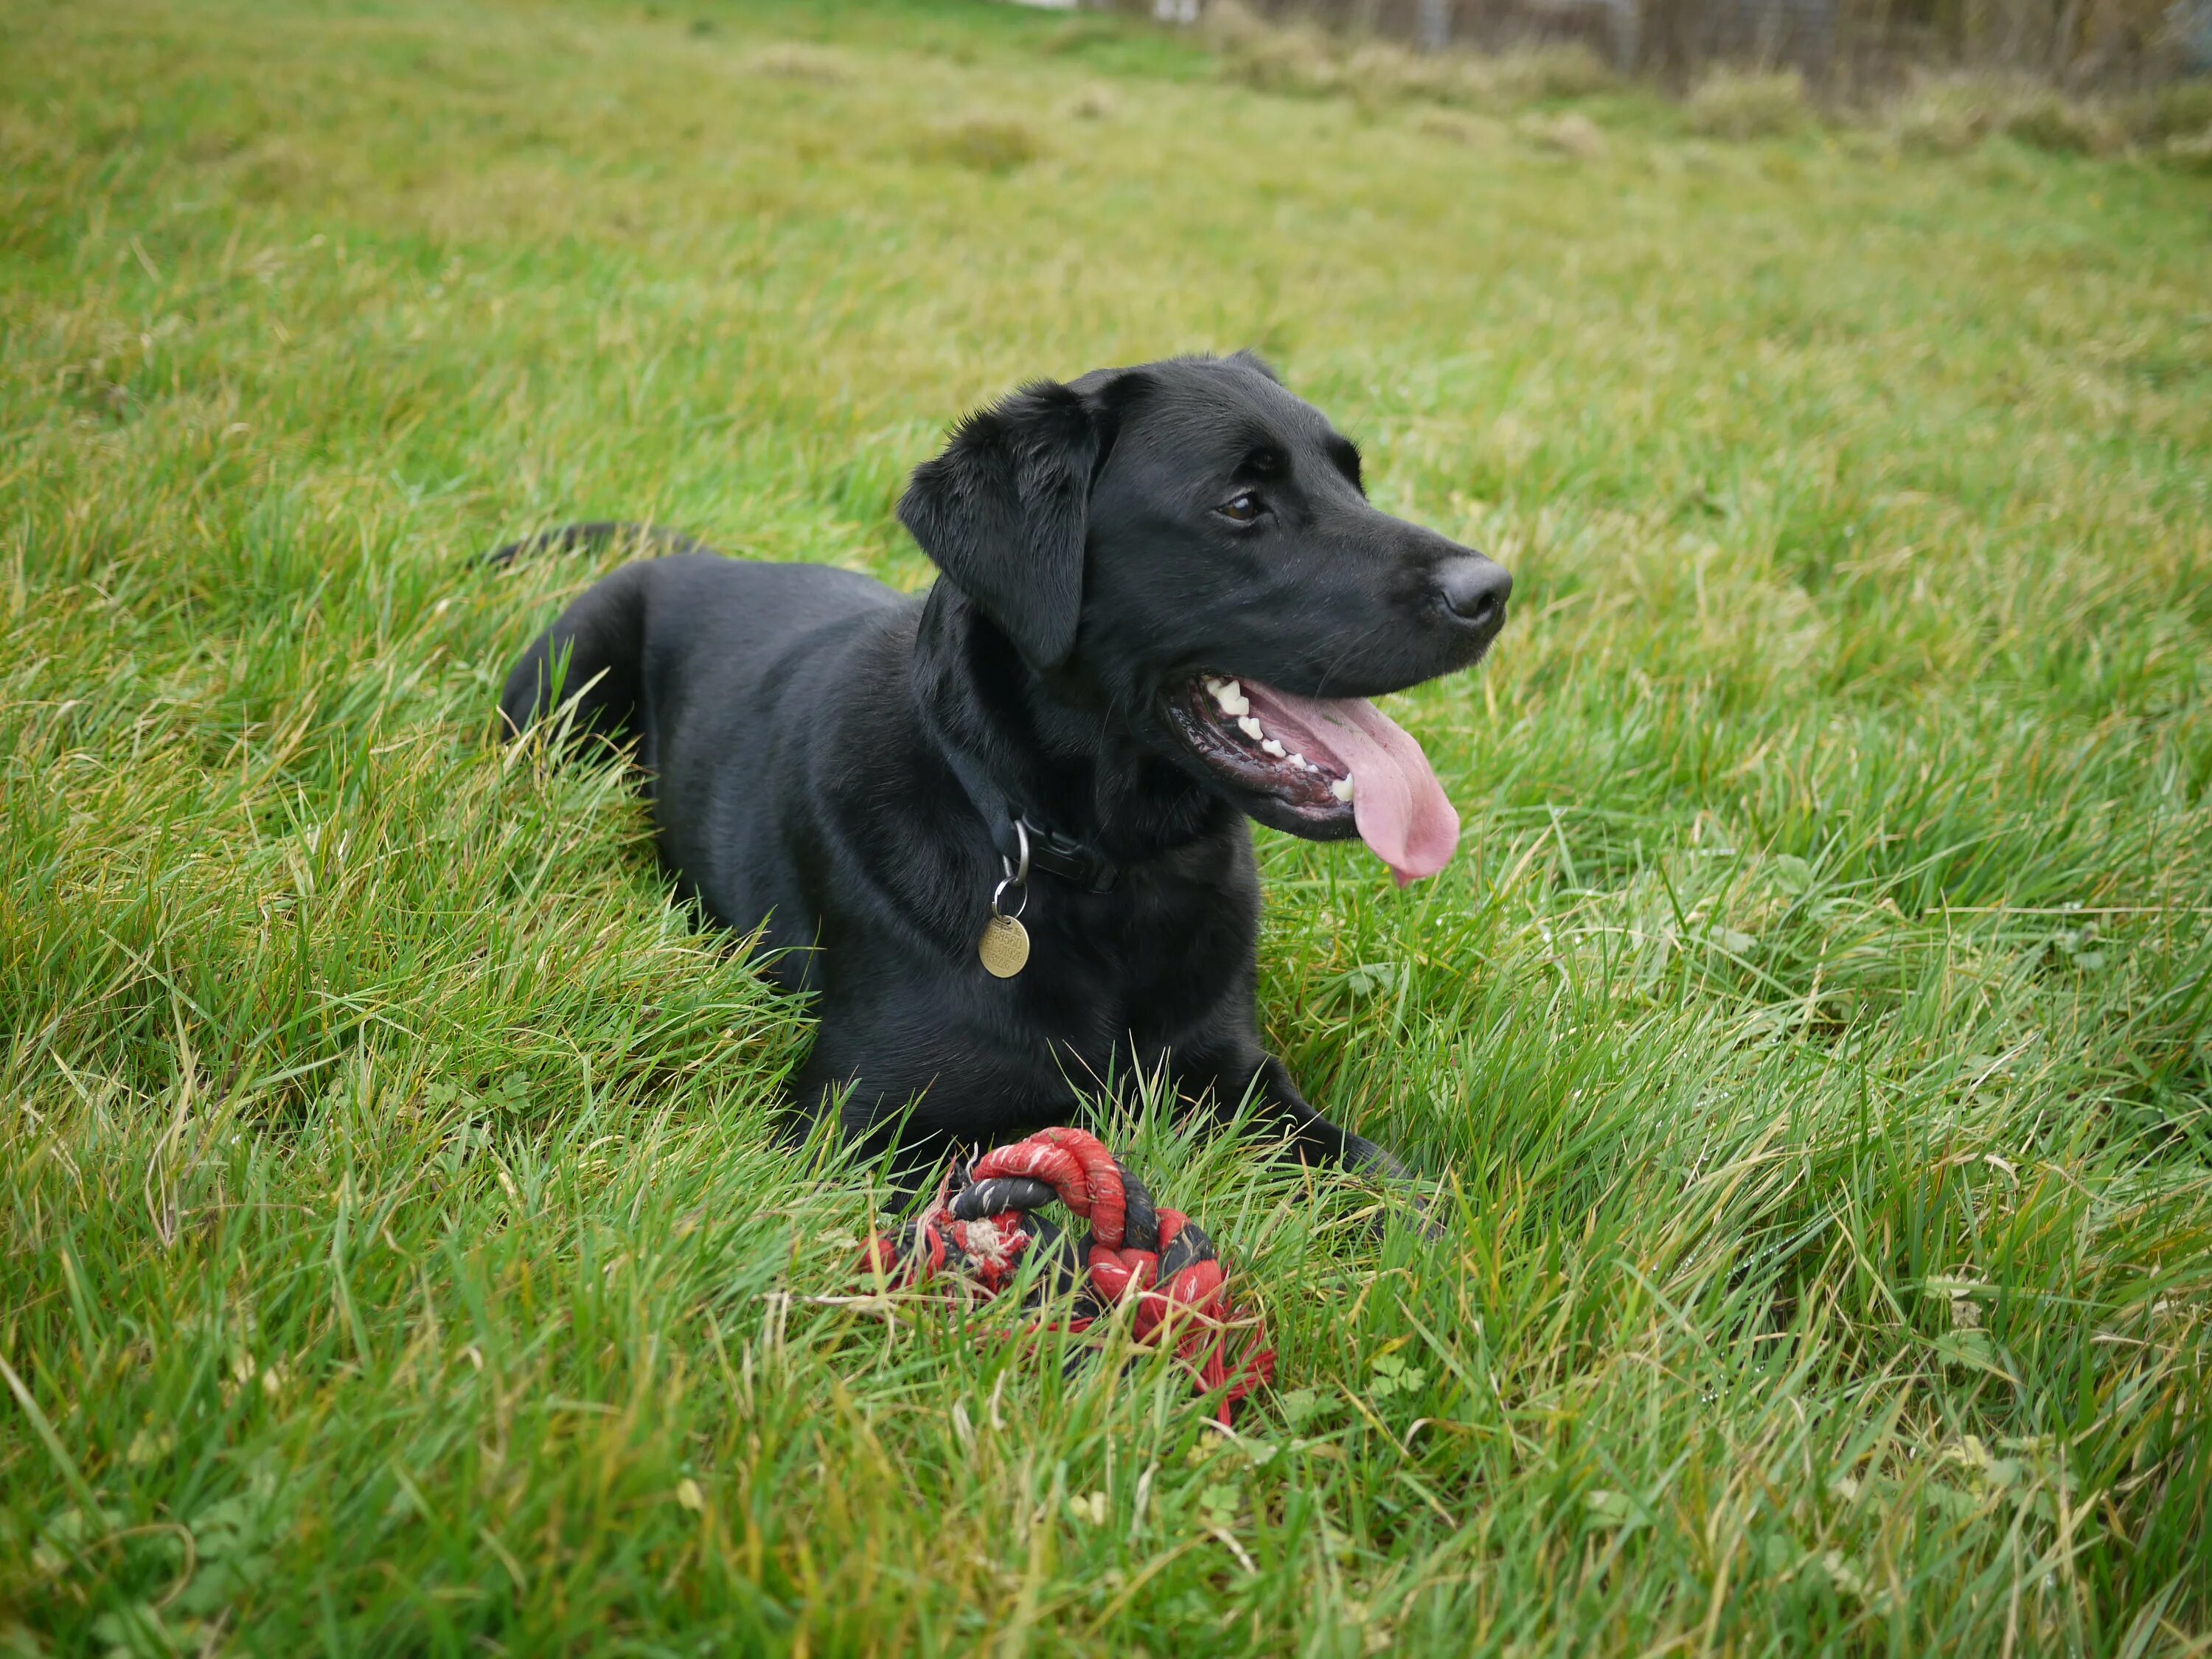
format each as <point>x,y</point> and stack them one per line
<point>1004,509</point>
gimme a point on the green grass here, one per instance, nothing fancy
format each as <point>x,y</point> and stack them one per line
<point>1813,1032</point>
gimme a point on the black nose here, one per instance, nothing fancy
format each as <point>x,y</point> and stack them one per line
<point>1475,590</point>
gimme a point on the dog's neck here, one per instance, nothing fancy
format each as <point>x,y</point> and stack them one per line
<point>1053,744</point>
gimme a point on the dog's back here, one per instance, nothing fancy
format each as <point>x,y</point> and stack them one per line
<point>622,651</point>
<point>746,659</point>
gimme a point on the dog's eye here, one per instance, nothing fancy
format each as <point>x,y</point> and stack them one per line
<point>1240,508</point>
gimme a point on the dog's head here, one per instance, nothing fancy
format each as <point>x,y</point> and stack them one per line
<point>1191,545</point>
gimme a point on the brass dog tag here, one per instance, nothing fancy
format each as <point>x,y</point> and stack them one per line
<point>1004,948</point>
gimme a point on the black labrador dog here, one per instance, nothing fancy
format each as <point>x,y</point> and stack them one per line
<point>999,830</point>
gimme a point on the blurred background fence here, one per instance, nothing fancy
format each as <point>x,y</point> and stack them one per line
<point>1840,45</point>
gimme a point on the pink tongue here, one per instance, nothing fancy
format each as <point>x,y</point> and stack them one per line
<point>1396,801</point>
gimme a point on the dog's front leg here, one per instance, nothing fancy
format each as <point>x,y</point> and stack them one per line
<point>1313,1139</point>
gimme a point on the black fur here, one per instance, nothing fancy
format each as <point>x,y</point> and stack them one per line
<point>793,724</point>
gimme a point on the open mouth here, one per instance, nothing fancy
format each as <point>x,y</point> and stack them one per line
<point>1329,767</point>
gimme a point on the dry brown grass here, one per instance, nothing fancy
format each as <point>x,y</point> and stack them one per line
<point>2188,154</point>
<point>1572,134</point>
<point>793,60</point>
<point>1740,104</point>
<point>986,143</point>
<point>1304,58</point>
<point>1943,114</point>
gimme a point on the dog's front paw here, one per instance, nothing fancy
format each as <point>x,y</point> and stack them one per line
<point>1364,1155</point>
<point>1416,1205</point>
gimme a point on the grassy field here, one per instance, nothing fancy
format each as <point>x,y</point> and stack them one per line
<point>1811,1035</point>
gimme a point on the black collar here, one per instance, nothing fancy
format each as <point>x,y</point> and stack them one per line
<point>1048,850</point>
<point>1070,859</point>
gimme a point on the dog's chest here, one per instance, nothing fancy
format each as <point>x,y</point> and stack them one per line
<point>1140,961</point>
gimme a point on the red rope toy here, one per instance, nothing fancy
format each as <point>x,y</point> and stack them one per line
<point>982,1225</point>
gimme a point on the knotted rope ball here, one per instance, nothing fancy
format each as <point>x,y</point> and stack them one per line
<point>984,1225</point>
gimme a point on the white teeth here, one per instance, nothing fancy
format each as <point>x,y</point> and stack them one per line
<point>1250,728</point>
<point>1300,760</point>
<point>1231,695</point>
<point>1272,748</point>
<point>1214,684</point>
<point>1341,789</point>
